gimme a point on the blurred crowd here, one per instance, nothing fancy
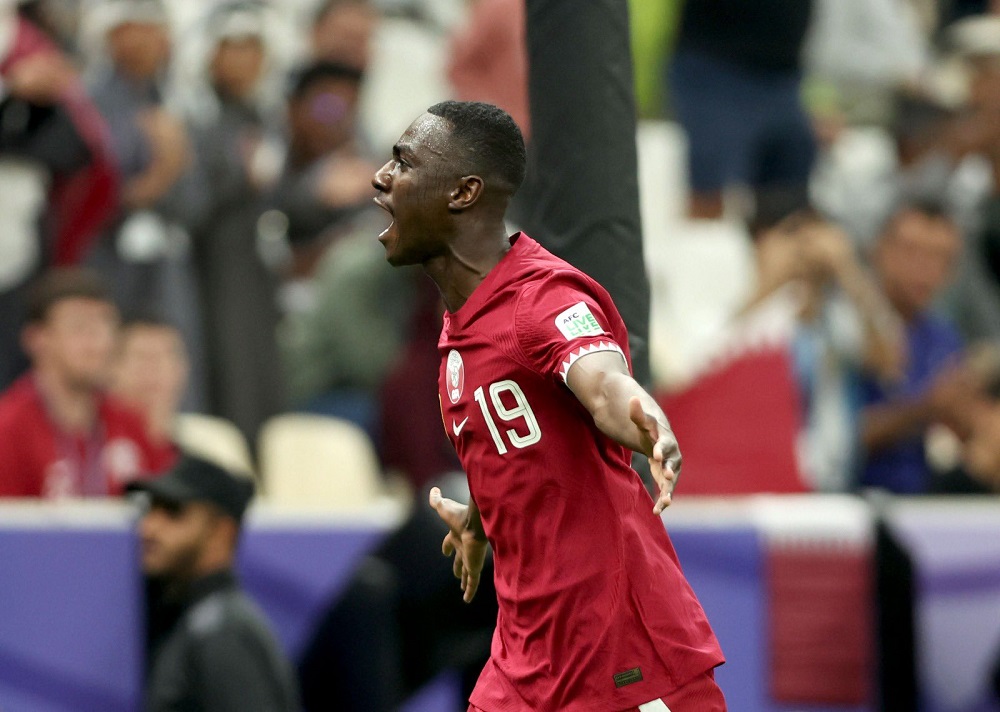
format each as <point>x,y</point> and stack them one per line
<point>857,150</point>
<point>205,169</point>
<point>186,222</point>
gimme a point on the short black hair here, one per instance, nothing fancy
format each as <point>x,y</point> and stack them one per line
<point>493,140</point>
<point>928,206</point>
<point>773,205</point>
<point>149,320</point>
<point>329,5</point>
<point>304,78</point>
<point>63,283</point>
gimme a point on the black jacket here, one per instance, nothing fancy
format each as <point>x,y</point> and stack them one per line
<point>218,656</point>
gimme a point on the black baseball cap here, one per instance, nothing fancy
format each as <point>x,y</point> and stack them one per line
<point>193,479</point>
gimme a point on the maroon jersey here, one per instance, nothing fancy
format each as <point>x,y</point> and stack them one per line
<point>595,613</point>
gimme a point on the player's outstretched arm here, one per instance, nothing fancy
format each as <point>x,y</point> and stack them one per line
<point>465,539</point>
<point>624,412</point>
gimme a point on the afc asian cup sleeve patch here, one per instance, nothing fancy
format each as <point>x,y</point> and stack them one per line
<point>577,322</point>
<point>580,329</point>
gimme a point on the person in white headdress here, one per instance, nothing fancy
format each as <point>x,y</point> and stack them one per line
<point>236,137</point>
<point>146,255</point>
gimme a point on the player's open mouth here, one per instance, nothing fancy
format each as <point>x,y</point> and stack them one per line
<point>377,200</point>
<point>382,204</point>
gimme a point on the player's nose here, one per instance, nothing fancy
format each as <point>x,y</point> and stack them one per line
<point>382,180</point>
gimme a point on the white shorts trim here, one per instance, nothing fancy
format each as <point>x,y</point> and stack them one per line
<point>654,706</point>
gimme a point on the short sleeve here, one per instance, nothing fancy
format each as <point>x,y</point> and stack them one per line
<point>560,321</point>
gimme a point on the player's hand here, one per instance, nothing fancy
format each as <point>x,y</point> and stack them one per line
<point>468,548</point>
<point>41,79</point>
<point>345,181</point>
<point>659,443</point>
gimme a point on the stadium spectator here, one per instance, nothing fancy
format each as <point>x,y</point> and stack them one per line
<point>843,327</point>
<point>210,646</point>
<point>411,440</point>
<point>972,466</point>
<point>150,373</point>
<point>734,83</point>
<point>979,472</point>
<point>61,435</point>
<point>858,51</point>
<point>338,350</point>
<point>342,32</point>
<point>56,169</point>
<point>914,259</point>
<point>58,19</point>
<point>236,141</point>
<point>953,10</point>
<point>146,254</point>
<point>865,174</point>
<point>321,188</point>
<point>489,59</point>
<point>972,140</point>
<point>397,624</point>
<point>345,315</point>
<point>397,45</point>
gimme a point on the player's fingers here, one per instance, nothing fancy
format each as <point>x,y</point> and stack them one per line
<point>669,476</point>
<point>665,481</point>
<point>434,498</point>
<point>662,484</point>
<point>458,567</point>
<point>471,586</point>
<point>659,471</point>
<point>447,545</point>
<point>451,512</point>
<point>663,501</point>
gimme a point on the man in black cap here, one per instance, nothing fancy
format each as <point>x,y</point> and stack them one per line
<point>210,647</point>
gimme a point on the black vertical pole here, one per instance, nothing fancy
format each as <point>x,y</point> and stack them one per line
<point>581,198</point>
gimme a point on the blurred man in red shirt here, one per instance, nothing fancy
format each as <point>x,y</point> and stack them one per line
<point>150,375</point>
<point>60,434</point>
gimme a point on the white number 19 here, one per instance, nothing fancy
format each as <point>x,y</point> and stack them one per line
<point>522,410</point>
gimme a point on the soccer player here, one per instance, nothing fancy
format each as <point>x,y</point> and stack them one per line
<point>539,402</point>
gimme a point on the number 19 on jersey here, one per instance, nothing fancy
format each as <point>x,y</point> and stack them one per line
<point>521,411</point>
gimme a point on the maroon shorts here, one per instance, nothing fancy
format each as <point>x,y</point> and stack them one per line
<point>701,694</point>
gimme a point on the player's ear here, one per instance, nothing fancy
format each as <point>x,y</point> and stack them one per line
<point>466,193</point>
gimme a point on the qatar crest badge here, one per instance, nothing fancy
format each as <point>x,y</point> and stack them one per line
<point>455,376</point>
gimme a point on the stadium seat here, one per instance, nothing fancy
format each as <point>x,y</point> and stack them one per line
<point>214,439</point>
<point>316,461</point>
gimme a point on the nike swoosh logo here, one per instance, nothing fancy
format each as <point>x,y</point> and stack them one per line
<point>457,427</point>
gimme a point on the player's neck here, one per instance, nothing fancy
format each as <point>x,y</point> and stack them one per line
<point>468,261</point>
<point>74,409</point>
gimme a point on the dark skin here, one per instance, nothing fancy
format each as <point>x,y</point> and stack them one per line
<point>450,220</point>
